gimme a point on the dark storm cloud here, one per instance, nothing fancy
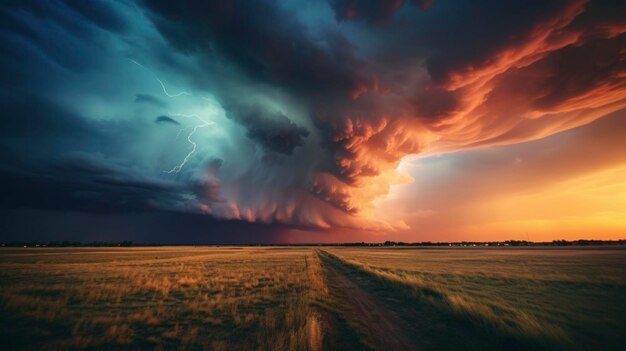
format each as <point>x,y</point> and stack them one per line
<point>73,14</point>
<point>34,129</point>
<point>262,39</point>
<point>99,12</point>
<point>29,116</point>
<point>156,227</point>
<point>38,172</point>
<point>87,183</point>
<point>475,32</point>
<point>149,99</point>
<point>57,51</point>
<point>60,149</point>
<point>435,103</point>
<point>272,130</point>
<point>166,119</point>
<point>347,88</point>
<point>581,69</point>
<point>376,12</point>
<point>401,82</point>
<point>46,25</point>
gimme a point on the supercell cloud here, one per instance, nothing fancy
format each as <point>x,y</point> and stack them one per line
<point>295,113</point>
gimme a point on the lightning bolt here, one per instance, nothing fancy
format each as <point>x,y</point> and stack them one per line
<point>160,81</point>
<point>204,123</point>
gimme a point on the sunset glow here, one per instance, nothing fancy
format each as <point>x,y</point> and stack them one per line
<point>314,121</point>
<point>313,175</point>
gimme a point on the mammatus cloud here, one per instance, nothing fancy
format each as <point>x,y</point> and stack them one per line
<point>321,103</point>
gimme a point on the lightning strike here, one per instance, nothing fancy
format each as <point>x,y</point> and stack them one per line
<point>161,82</point>
<point>171,95</point>
<point>204,123</point>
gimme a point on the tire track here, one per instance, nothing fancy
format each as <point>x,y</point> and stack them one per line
<point>383,328</point>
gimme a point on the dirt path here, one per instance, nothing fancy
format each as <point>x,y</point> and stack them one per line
<point>383,327</point>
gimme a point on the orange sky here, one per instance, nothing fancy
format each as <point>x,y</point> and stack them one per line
<point>568,186</point>
<point>325,121</point>
<point>571,185</point>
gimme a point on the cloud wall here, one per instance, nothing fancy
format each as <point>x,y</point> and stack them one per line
<point>294,113</point>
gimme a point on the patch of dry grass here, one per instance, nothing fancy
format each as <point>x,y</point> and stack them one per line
<point>228,298</point>
<point>266,298</point>
<point>572,298</point>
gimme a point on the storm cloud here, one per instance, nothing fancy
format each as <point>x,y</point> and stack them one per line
<point>308,106</point>
<point>272,130</point>
<point>166,119</point>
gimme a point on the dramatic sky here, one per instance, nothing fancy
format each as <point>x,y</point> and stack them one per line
<point>312,120</point>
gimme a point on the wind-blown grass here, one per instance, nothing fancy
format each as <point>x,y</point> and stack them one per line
<point>546,299</point>
<point>271,298</point>
<point>214,298</point>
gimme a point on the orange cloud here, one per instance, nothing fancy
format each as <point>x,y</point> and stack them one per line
<point>568,186</point>
<point>564,72</point>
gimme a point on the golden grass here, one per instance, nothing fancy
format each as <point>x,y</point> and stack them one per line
<point>273,298</point>
<point>496,313</point>
<point>540,294</point>
<point>228,298</point>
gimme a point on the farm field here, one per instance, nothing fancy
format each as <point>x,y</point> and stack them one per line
<point>312,298</point>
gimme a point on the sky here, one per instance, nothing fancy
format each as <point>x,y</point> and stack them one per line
<point>263,121</point>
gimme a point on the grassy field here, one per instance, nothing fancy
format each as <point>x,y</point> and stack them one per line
<point>499,298</point>
<point>301,298</point>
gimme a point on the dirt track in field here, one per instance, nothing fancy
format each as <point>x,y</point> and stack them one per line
<point>383,327</point>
